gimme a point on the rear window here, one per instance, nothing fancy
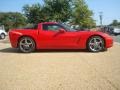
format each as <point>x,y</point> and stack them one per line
<point>31,26</point>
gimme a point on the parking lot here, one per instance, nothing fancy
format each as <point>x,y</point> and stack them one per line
<point>117,38</point>
<point>59,70</point>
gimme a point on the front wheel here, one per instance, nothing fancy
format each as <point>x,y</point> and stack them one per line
<point>96,44</point>
<point>26,44</point>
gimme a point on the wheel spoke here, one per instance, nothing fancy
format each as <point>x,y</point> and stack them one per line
<point>99,47</point>
<point>29,43</point>
<point>22,43</point>
<point>95,40</point>
<point>92,44</point>
<point>26,41</point>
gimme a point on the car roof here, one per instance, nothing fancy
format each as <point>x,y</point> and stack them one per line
<point>49,23</point>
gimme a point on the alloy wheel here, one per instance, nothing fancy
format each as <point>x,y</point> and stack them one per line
<point>96,44</point>
<point>26,45</point>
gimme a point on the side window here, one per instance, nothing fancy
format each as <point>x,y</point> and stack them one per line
<point>51,27</point>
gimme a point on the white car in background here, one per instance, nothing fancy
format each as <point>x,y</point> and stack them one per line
<point>3,34</point>
<point>116,31</point>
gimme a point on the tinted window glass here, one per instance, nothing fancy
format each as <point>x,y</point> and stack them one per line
<point>51,27</point>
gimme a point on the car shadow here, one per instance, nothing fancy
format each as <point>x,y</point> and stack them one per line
<point>61,51</point>
<point>12,50</point>
<point>9,50</point>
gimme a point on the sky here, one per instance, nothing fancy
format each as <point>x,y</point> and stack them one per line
<point>109,8</point>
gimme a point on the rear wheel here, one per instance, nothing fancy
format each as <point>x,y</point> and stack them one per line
<point>26,44</point>
<point>96,44</point>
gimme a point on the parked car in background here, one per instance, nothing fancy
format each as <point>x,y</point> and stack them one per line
<point>116,31</point>
<point>111,30</point>
<point>3,34</point>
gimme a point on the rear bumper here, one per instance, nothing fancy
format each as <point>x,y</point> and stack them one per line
<point>13,42</point>
<point>13,39</point>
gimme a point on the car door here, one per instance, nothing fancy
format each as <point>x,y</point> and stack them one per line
<point>52,37</point>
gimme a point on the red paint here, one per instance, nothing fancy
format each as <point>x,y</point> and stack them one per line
<point>57,39</point>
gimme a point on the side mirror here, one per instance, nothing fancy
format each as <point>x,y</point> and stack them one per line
<point>61,30</point>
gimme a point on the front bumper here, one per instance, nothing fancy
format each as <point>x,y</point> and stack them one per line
<point>109,42</point>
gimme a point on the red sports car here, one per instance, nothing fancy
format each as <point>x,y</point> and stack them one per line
<point>53,35</point>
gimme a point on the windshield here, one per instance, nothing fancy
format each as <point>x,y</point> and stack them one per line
<point>67,27</point>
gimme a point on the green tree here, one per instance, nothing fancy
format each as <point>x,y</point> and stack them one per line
<point>74,11</point>
<point>115,23</point>
<point>12,20</point>
<point>82,15</point>
<point>34,13</point>
<point>59,10</point>
<point>52,10</point>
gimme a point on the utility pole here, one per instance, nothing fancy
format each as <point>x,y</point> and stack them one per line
<point>101,18</point>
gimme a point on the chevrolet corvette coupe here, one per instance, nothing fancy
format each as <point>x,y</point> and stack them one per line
<point>53,35</point>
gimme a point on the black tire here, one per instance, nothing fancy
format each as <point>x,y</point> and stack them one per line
<point>115,34</point>
<point>2,36</point>
<point>96,44</point>
<point>26,45</point>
